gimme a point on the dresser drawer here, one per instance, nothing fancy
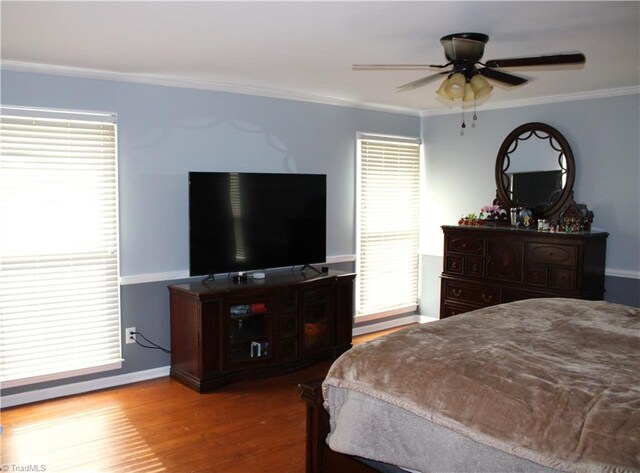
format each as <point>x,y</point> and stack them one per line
<point>465,244</point>
<point>512,295</point>
<point>536,276</point>
<point>450,309</point>
<point>474,266</point>
<point>561,278</point>
<point>468,265</point>
<point>550,277</point>
<point>453,264</point>
<point>563,255</point>
<point>471,293</point>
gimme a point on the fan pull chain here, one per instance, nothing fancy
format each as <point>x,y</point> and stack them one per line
<point>464,125</point>
<point>475,116</point>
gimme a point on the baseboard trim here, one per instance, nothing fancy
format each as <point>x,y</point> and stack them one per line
<point>386,324</point>
<point>622,273</point>
<point>82,387</point>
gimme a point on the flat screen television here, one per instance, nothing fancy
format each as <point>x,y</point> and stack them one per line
<point>255,221</point>
<point>536,188</point>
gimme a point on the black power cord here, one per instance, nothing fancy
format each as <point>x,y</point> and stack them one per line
<point>154,346</point>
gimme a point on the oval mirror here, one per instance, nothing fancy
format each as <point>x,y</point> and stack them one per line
<point>535,169</point>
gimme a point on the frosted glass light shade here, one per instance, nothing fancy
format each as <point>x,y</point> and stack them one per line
<point>481,86</point>
<point>469,95</point>
<point>455,86</point>
<point>442,90</point>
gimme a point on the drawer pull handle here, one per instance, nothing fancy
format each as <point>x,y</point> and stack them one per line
<point>454,265</point>
<point>456,292</point>
<point>464,245</point>
<point>550,253</point>
<point>487,297</point>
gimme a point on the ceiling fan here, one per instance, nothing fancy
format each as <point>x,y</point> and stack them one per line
<point>466,73</point>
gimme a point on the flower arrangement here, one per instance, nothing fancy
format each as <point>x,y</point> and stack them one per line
<point>489,215</point>
<point>491,212</point>
<point>470,219</point>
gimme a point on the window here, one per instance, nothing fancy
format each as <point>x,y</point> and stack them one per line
<point>388,224</point>
<point>59,289</point>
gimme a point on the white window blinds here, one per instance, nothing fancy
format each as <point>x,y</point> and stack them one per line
<point>59,290</point>
<point>388,224</point>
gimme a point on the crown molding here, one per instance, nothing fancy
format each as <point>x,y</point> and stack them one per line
<point>177,82</point>
<point>595,94</point>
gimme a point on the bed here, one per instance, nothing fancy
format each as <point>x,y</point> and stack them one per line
<point>540,385</point>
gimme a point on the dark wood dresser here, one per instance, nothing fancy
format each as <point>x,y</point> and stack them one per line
<point>485,266</point>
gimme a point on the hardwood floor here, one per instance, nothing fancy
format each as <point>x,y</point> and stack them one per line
<point>160,425</point>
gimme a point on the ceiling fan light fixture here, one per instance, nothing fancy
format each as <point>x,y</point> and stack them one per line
<point>442,92</point>
<point>455,86</point>
<point>480,86</point>
<point>469,94</point>
<point>467,74</point>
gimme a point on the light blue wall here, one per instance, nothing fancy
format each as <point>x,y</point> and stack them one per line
<point>603,134</point>
<point>164,132</point>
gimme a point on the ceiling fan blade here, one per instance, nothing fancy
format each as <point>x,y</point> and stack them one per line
<point>502,76</point>
<point>420,82</point>
<point>545,60</point>
<point>397,67</point>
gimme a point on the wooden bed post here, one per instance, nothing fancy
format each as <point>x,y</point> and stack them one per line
<point>319,457</point>
<point>317,425</point>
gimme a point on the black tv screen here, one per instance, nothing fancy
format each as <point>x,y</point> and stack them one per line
<point>255,221</point>
<point>535,188</point>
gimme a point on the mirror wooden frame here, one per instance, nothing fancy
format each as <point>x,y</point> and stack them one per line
<point>510,144</point>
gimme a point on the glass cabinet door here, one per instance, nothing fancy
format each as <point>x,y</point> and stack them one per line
<point>316,319</point>
<point>249,332</point>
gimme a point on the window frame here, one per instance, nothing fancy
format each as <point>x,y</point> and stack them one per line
<point>406,307</point>
<point>101,191</point>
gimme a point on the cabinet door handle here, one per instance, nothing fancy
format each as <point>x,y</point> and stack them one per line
<point>487,297</point>
<point>456,292</point>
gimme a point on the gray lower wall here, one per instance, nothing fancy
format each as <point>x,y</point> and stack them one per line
<point>622,290</point>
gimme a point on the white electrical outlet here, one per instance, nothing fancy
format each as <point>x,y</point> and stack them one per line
<point>129,335</point>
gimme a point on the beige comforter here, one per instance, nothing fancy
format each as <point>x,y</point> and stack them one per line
<point>553,381</point>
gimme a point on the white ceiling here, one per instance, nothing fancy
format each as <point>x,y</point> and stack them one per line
<point>304,50</point>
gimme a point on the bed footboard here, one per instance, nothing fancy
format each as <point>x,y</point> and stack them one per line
<point>319,457</point>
